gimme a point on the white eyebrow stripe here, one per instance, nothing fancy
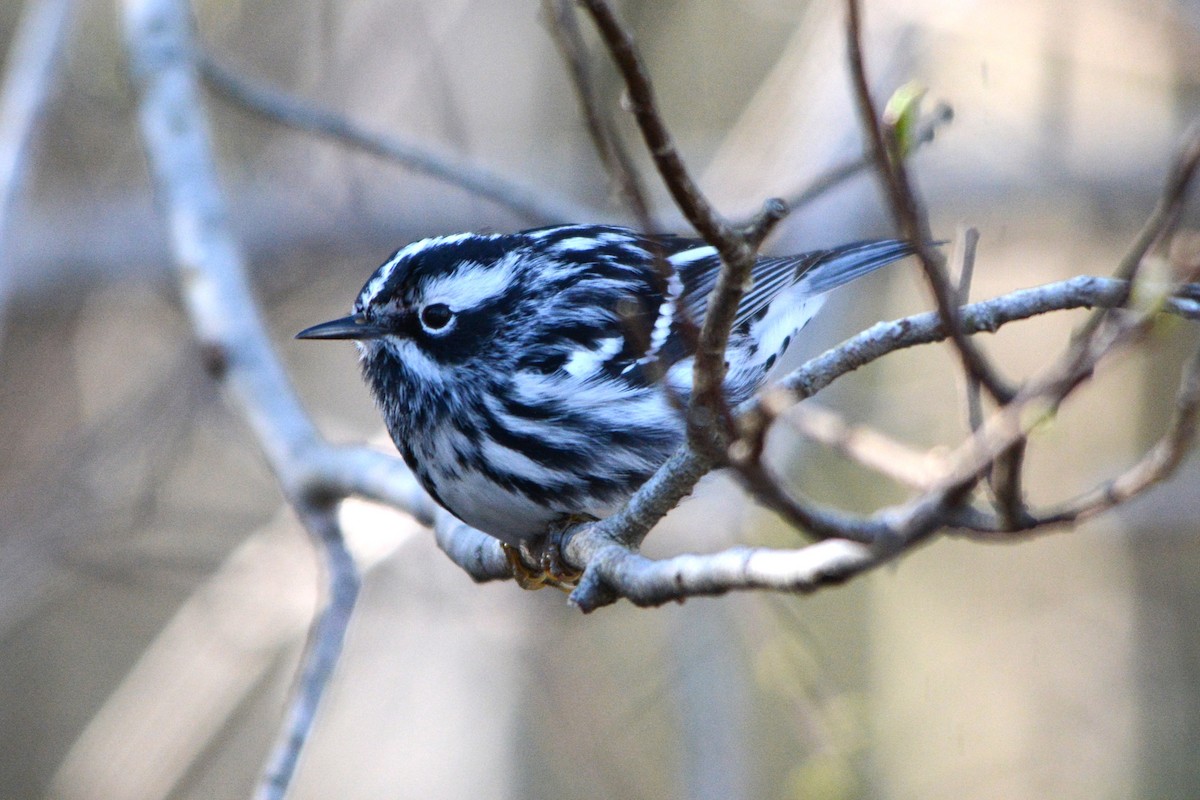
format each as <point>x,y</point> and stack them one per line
<point>405,253</point>
<point>471,283</point>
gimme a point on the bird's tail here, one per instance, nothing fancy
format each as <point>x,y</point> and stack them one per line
<point>841,265</point>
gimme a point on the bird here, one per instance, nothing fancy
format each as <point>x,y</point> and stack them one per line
<point>538,377</point>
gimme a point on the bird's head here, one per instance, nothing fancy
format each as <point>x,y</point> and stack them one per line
<point>435,304</point>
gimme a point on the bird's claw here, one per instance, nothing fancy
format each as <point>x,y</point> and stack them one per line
<point>552,569</point>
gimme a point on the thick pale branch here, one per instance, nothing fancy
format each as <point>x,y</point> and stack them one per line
<point>332,473</point>
<point>235,347</point>
<point>650,583</point>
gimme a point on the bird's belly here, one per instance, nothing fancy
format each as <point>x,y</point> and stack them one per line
<point>484,504</point>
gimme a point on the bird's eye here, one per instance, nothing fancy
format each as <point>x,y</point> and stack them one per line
<point>436,316</point>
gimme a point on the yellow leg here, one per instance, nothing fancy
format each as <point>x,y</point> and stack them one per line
<point>553,572</point>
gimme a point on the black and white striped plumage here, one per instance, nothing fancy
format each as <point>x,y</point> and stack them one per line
<point>518,373</point>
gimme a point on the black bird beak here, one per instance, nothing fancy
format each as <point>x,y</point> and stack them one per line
<point>353,327</point>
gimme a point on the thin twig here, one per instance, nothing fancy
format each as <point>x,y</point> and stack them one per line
<point>1158,225</point>
<point>661,146</point>
<point>962,259</point>
<point>833,177</point>
<point>910,216</point>
<point>1004,478</point>
<point>564,28</point>
<point>536,204</point>
<point>1158,464</point>
<point>709,419</point>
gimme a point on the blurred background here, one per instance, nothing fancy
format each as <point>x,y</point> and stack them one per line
<point>155,593</point>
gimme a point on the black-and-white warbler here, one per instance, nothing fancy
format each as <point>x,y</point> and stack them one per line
<point>522,375</point>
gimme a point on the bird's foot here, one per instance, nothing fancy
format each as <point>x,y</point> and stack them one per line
<point>552,570</point>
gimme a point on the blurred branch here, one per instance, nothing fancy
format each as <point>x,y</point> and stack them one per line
<point>866,446</point>
<point>536,204</point>
<point>29,77</point>
<point>564,27</point>
<point>321,651</point>
<point>236,349</point>
<point>941,115</point>
<point>1159,463</point>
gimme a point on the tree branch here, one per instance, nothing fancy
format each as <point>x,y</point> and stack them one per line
<point>534,203</point>
<point>709,421</point>
<point>237,353</point>
<point>910,216</point>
